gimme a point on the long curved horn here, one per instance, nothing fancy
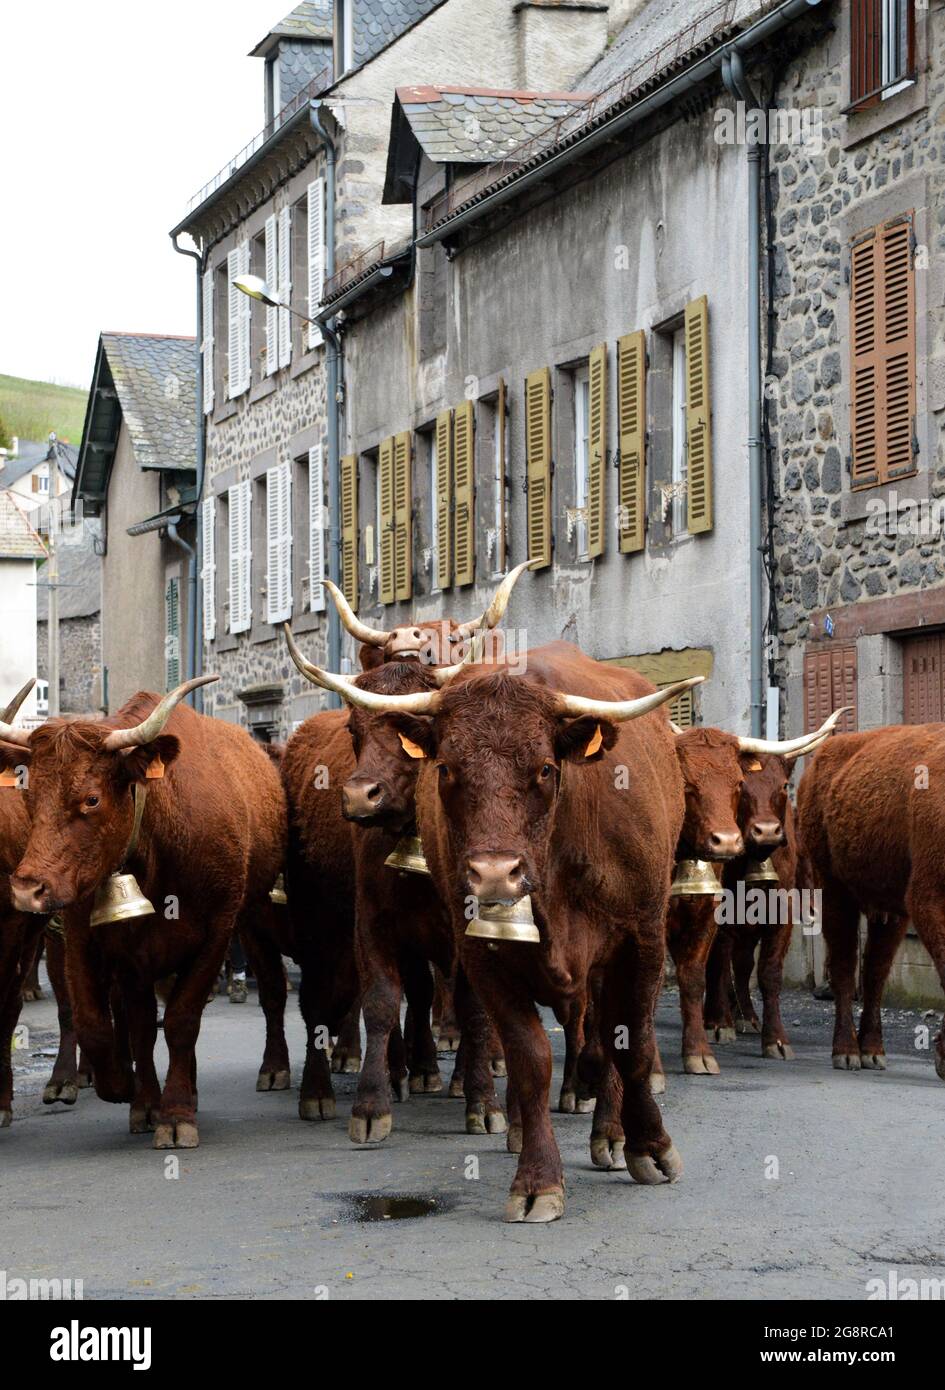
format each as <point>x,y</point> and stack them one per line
<point>13,708</point>
<point>423,702</point>
<point>495,612</point>
<point>621,710</point>
<point>372,635</point>
<point>474,652</point>
<point>785,748</point>
<point>149,728</point>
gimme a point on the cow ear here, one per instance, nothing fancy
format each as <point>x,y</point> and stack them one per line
<point>584,740</point>
<point>13,755</point>
<point>153,757</point>
<point>417,732</point>
<point>750,762</point>
<point>370,657</point>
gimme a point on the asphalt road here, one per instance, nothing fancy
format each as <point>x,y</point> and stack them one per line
<point>272,1207</point>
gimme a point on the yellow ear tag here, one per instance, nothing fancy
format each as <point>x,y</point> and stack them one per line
<point>594,744</point>
<point>7,778</point>
<point>413,750</point>
<point>155,769</point>
<point>754,766</point>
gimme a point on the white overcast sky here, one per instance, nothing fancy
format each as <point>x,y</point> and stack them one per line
<point>112,113</point>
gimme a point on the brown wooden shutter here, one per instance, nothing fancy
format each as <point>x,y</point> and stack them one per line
<point>403,517</point>
<point>865,51</point>
<point>830,682</point>
<point>597,452</point>
<point>538,463</point>
<point>631,426</point>
<point>385,520</point>
<point>444,499</point>
<point>464,530</point>
<point>883,368</point>
<point>922,679</point>
<point>349,529</point>
<point>698,417</point>
<point>501,424</point>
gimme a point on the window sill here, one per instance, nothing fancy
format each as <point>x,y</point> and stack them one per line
<point>262,389</point>
<point>305,364</point>
<point>855,504</point>
<point>228,642</point>
<point>863,125</point>
<point>224,412</point>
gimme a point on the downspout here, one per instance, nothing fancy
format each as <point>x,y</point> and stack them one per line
<point>733,75</point>
<point>335,402</point>
<point>194,652</point>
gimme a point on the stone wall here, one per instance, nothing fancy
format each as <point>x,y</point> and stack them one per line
<point>80,662</point>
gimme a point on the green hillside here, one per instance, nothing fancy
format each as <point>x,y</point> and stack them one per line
<point>30,409</point>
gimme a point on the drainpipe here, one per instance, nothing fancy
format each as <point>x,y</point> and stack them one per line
<point>194,648</point>
<point>335,390</point>
<point>733,75</point>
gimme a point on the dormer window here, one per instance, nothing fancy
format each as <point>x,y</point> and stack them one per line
<point>273,94</point>
<point>344,37</point>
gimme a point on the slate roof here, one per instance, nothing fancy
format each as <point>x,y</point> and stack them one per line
<point>378,22</point>
<point>477,125</point>
<point>155,379</point>
<point>18,540</point>
<point>310,20</point>
<point>80,575</point>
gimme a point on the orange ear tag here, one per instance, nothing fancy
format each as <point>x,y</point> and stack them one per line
<point>754,766</point>
<point>594,744</point>
<point>7,778</point>
<point>413,750</point>
<point>155,769</point>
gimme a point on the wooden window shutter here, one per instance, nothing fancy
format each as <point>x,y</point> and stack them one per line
<point>172,634</point>
<point>316,528</point>
<point>315,209</point>
<point>385,517</point>
<point>698,417</point>
<point>207,343</point>
<point>241,557</point>
<point>279,543</point>
<point>597,452</point>
<point>882,336</point>
<point>234,332</point>
<point>403,516</point>
<point>631,425</point>
<point>349,529</point>
<point>538,464</point>
<point>830,682</point>
<point>464,539</point>
<point>208,567</point>
<point>272,279</point>
<point>444,499</point>
<point>285,286</point>
<point>501,424</point>
<point>865,51</point>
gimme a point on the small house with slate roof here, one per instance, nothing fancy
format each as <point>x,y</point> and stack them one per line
<point>21,554</point>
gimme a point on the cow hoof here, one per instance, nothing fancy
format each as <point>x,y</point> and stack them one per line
<point>479,1120</point>
<point>67,1092</point>
<point>179,1134</point>
<point>514,1139</point>
<point>567,1103</point>
<point>456,1091</point>
<point>317,1108</point>
<point>498,1066</point>
<point>369,1131</point>
<point>747,1025</point>
<point>30,996</point>
<point>873,1061</point>
<point>6,1119</point>
<point>846,1061</point>
<point>700,1064</point>
<point>427,1083</point>
<point>779,1052</point>
<point>586,1105</point>
<point>345,1062</point>
<point>666,1167</point>
<point>84,1080</point>
<point>447,1042</point>
<point>273,1080</point>
<point>607,1153</point>
<point>141,1120</point>
<point>724,1034</point>
<point>400,1088</point>
<point>545,1206</point>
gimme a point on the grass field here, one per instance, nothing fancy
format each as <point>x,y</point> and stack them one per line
<point>30,409</point>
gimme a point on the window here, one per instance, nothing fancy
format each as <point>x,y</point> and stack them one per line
<point>344,37</point>
<point>582,406</point>
<point>666,668</point>
<point>882,58</point>
<point>315,232</point>
<point>239,307</point>
<point>239,500</point>
<point>208,569</point>
<point>41,480</point>
<point>882,347</point>
<point>316,528</point>
<point>494,442</point>
<point>275,266</point>
<point>679,476</point>
<point>829,684</point>
<point>279,543</point>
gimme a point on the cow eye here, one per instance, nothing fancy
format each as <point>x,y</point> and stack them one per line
<point>443,770</point>
<point>91,802</point>
<point>546,771</point>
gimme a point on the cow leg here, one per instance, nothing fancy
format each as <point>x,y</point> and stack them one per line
<point>774,947</point>
<point>445,1025</point>
<point>11,1002</point>
<point>840,922</point>
<point>573,1046</point>
<point>628,1005</point>
<point>718,1010</point>
<point>484,1113</point>
<point>141,1011</point>
<point>63,1084</point>
<point>177,1125</point>
<point>421,1054</point>
<point>928,918</point>
<point>457,1085</point>
<point>381,989</point>
<point>316,1094</point>
<point>691,931</point>
<point>346,1053</point>
<point>32,989</point>
<point>883,939</point>
<point>743,963</point>
<point>265,961</point>
<point>100,1036</point>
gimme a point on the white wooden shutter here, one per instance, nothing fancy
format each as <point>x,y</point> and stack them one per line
<point>241,558</point>
<point>208,568</point>
<point>285,286</point>
<point>316,529</point>
<point>316,255</point>
<point>234,319</point>
<point>206,347</point>
<point>279,542</point>
<point>272,280</point>
<point>246,310</point>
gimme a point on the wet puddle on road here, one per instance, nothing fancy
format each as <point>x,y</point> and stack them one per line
<point>364,1207</point>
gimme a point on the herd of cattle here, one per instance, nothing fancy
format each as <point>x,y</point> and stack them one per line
<point>562,785</point>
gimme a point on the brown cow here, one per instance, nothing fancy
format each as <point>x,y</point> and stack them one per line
<point>211,843</point>
<point>522,794</point>
<point>872,823</point>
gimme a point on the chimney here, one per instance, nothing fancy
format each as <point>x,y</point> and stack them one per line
<point>558,40</point>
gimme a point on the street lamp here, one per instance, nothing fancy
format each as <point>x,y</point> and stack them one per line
<point>255,286</point>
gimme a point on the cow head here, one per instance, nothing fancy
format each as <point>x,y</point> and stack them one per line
<point>382,788</point>
<point>762,806</point>
<point>81,776</point>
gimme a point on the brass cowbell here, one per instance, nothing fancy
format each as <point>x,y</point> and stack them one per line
<point>761,871</point>
<point>277,892</point>
<point>407,855</point>
<point>694,878</point>
<point>505,922</point>
<point>119,898</point>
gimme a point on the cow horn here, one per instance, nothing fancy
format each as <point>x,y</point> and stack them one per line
<point>785,748</point>
<point>620,710</point>
<point>423,702</point>
<point>149,728</point>
<point>494,614</point>
<point>372,635</point>
<point>13,708</point>
<point>474,652</point>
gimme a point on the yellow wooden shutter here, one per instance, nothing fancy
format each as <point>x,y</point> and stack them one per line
<point>538,463</point>
<point>464,531</point>
<point>385,520</point>
<point>403,546</point>
<point>631,426</point>
<point>501,422</point>
<point>444,499</point>
<point>597,452</point>
<point>349,529</point>
<point>698,417</point>
<point>882,336</point>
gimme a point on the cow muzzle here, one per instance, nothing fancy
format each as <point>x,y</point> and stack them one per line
<point>496,877</point>
<point>405,642</point>
<point>32,894</point>
<point>363,798</point>
<point>724,844</point>
<point>765,834</point>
